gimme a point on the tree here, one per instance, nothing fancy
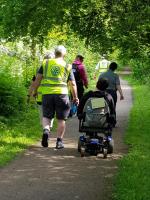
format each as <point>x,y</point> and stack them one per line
<point>89,19</point>
<point>130,22</point>
<point>104,24</point>
<point>29,19</point>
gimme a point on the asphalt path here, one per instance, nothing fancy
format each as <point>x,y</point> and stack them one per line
<point>49,174</point>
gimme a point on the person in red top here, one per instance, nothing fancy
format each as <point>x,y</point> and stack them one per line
<point>80,75</point>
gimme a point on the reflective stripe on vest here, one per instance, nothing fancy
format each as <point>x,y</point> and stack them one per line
<point>103,66</point>
<point>39,95</point>
<point>102,70</point>
<point>55,76</point>
<point>52,85</point>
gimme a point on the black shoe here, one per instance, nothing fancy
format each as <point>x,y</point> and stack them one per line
<point>44,142</point>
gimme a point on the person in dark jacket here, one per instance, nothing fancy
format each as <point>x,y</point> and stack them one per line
<point>113,82</point>
<point>100,92</point>
<point>80,75</point>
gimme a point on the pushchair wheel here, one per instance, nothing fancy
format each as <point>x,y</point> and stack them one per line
<point>111,146</point>
<point>82,151</point>
<point>105,153</point>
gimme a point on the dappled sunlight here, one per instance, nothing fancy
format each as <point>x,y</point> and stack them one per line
<point>62,166</point>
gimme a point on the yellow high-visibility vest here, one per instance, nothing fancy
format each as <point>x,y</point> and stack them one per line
<point>55,76</point>
<point>103,66</point>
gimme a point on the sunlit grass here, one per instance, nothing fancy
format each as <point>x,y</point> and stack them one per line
<point>18,133</point>
<point>133,180</point>
<point>92,84</point>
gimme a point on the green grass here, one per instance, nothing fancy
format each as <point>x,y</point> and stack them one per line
<point>92,85</point>
<point>133,179</point>
<point>17,133</point>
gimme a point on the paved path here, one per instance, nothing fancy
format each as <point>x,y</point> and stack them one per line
<point>47,174</point>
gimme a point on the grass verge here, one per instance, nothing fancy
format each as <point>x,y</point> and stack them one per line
<point>17,133</point>
<point>133,179</point>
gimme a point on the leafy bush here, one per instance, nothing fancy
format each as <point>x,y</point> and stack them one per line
<point>141,70</point>
<point>12,91</point>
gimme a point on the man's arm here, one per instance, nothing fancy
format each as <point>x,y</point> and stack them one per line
<point>110,101</point>
<point>120,92</point>
<point>118,87</point>
<point>83,75</point>
<point>85,97</point>
<point>37,83</point>
<point>73,88</point>
<point>30,90</point>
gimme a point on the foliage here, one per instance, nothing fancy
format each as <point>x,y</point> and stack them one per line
<point>105,26</point>
<point>17,133</point>
<point>18,65</point>
<point>89,19</point>
<point>134,167</point>
<point>28,19</point>
<point>74,45</point>
<point>141,70</point>
<point>113,24</point>
<point>118,28</point>
<point>12,91</point>
<point>130,27</point>
<point>19,56</point>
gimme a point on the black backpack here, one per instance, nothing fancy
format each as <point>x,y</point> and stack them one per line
<point>76,73</point>
<point>96,112</point>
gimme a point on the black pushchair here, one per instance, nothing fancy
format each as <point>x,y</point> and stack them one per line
<point>94,122</point>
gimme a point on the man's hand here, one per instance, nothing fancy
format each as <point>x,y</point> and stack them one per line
<point>76,101</point>
<point>121,97</point>
<point>94,77</point>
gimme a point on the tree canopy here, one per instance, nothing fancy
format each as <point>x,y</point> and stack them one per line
<point>104,24</point>
<point>107,24</point>
<point>118,27</point>
<point>29,18</point>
